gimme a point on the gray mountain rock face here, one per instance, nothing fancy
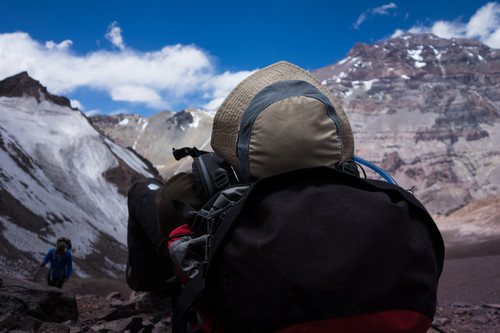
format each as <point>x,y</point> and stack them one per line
<point>154,137</point>
<point>426,109</point>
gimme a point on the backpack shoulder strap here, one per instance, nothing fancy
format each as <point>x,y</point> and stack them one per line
<point>186,299</point>
<point>205,221</point>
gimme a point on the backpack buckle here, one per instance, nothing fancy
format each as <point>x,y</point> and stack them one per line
<point>221,179</point>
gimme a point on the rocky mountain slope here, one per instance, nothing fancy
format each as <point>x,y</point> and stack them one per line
<point>60,177</point>
<point>424,108</point>
<point>427,110</point>
<point>155,136</point>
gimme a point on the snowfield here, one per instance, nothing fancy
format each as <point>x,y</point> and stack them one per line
<point>52,161</point>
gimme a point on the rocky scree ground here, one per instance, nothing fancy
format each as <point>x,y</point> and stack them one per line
<point>31,307</point>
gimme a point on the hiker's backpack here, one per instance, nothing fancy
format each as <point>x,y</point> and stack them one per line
<point>309,250</point>
<point>66,240</point>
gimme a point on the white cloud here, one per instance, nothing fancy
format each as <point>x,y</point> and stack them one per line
<point>485,21</point>
<point>114,35</point>
<point>159,78</point>
<point>76,104</point>
<point>91,113</point>
<point>360,20</point>
<point>484,25</point>
<point>397,33</point>
<point>221,85</point>
<point>117,112</point>
<point>61,46</point>
<point>493,39</point>
<point>382,10</point>
<point>132,93</point>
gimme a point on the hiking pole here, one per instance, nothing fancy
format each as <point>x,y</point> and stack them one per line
<point>36,273</point>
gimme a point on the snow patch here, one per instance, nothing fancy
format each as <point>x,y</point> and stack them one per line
<point>419,64</point>
<point>124,122</point>
<point>23,239</point>
<point>437,53</point>
<point>415,54</point>
<point>196,121</point>
<point>343,61</point>
<point>368,84</point>
<point>64,181</point>
<point>128,157</point>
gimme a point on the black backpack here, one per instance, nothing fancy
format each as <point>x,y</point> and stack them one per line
<point>66,240</point>
<point>315,249</point>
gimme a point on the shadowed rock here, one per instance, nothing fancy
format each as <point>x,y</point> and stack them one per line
<point>26,305</point>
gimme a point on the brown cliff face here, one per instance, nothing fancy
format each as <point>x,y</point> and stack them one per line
<point>23,85</point>
<point>427,110</point>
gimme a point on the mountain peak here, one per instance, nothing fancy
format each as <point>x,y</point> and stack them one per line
<point>22,84</point>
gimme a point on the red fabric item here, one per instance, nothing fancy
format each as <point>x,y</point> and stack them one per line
<point>182,230</point>
<point>391,321</point>
<point>206,323</point>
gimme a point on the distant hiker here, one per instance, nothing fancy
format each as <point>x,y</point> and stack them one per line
<point>61,264</point>
<point>276,231</point>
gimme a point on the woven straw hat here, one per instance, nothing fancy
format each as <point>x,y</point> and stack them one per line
<point>227,119</point>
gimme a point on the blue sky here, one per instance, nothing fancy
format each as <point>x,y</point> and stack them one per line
<point>142,57</point>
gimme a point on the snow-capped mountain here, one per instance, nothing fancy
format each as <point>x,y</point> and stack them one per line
<point>60,177</point>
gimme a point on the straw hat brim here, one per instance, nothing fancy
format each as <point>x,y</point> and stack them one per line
<point>227,119</point>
